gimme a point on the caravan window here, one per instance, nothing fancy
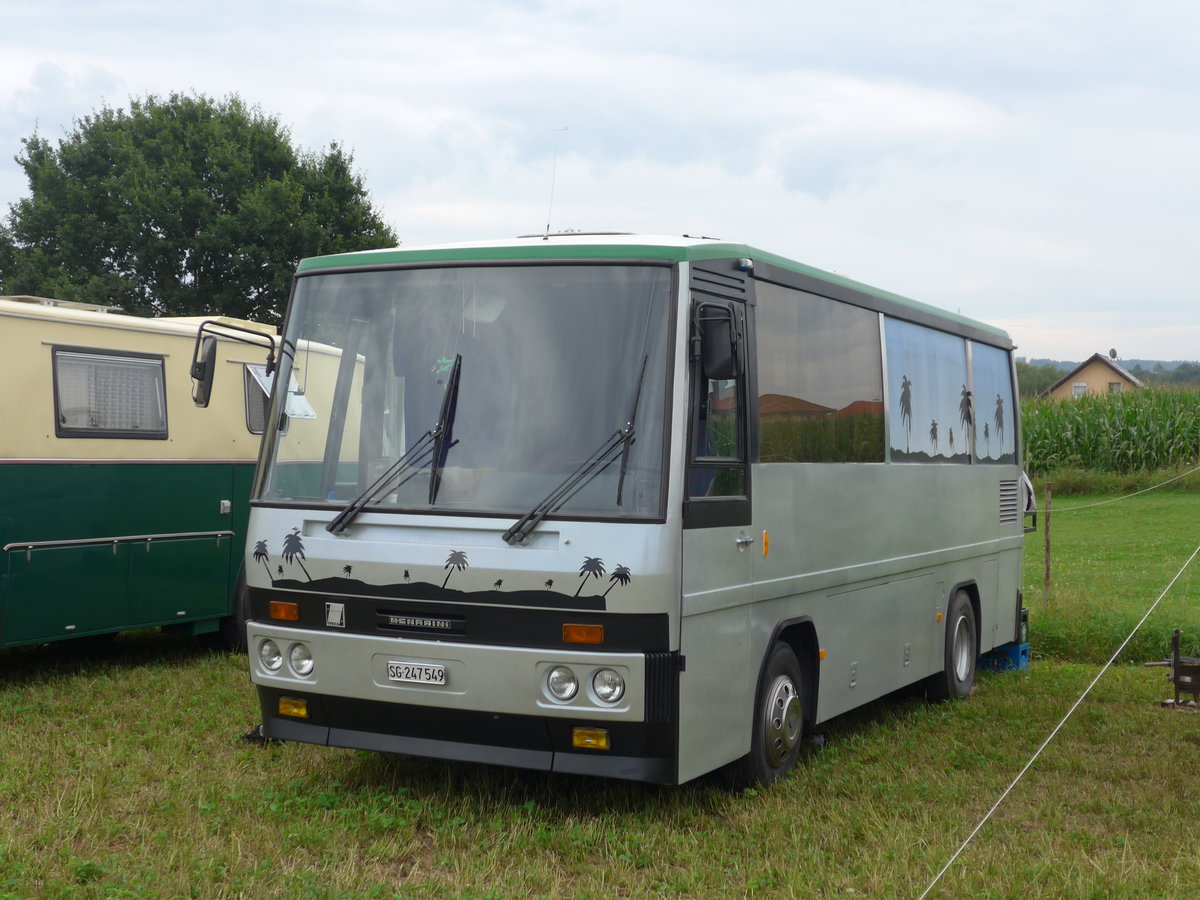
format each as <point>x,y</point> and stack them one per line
<point>102,394</point>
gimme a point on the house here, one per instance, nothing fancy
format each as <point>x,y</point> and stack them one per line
<point>1097,375</point>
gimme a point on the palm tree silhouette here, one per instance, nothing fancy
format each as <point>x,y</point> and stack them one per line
<point>906,410</point>
<point>593,567</point>
<point>966,415</point>
<point>496,585</point>
<point>456,561</point>
<point>346,570</point>
<point>999,419</point>
<point>281,571</point>
<point>293,550</point>
<point>950,438</point>
<point>406,576</point>
<point>933,434</point>
<point>987,444</point>
<point>261,555</point>
<point>549,583</point>
<point>619,576</point>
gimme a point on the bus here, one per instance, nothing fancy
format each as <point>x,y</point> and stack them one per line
<point>124,506</point>
<point>626,506</point>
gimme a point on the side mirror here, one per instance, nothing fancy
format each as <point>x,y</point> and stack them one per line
<point>204,367</point>
<point>719,356</point>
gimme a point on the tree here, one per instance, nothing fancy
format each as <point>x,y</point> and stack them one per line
<point>180,206</point>
<point>1035,379</point>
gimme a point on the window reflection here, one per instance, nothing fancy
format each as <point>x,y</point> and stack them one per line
<point>933,408</point>
<point>820,379</point>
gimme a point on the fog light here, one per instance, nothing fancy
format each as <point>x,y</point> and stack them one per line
<point>562,683</point>
<point>294,707</point>
<point>269,655</point>
<point>301,660</point>
<point>590,738</point>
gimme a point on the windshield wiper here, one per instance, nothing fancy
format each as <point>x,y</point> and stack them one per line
<point>604,457</point>
<point>442,431</point>
<point>434,443</point>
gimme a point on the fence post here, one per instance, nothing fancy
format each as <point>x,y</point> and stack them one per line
<point>1046,528</point>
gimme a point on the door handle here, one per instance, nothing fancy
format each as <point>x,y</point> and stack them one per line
<point>744,541</point>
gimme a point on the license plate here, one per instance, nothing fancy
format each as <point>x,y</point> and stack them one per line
<point>418,673</point>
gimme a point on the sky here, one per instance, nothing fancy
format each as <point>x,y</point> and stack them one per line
<point>1034,164</point>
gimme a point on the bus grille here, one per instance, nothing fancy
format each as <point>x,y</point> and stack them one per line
<point>1010,503</point>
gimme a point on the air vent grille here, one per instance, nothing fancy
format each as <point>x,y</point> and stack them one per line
<point>1010,502</point>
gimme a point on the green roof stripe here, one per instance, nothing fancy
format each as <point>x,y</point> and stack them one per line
<point>538,249</point>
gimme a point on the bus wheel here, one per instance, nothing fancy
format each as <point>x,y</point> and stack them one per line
<point>778,722</point>
<point>958,676</point>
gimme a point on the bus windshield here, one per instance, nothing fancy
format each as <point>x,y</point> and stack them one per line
<point>494,390</point>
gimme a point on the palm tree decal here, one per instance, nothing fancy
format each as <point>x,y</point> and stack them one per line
<point>346,570</point>
<point>261,555</point>
<point>966,416</point>
<point>593,567</point>
<point>933,434</point>
<point>293,550</point>
<point>1000,420</point>
<point>455,562</point>
<point>950,438</point>
<point>987,443</point>
<point>906,410</point>
<point>619,576</point>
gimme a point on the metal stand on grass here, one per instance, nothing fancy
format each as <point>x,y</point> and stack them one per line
<point>1184,673</point>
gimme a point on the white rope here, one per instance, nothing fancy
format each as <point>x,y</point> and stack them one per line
<point>1057,727</point>
<point>1127,496</point>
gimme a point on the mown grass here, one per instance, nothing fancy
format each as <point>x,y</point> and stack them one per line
<point>1109,561</point>
<point>124,775</point>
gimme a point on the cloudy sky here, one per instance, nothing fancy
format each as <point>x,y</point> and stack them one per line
<point>1031,163</point>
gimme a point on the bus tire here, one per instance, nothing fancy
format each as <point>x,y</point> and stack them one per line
<point>233,627</point>
<point>778,722</point>
<point>958,675</point>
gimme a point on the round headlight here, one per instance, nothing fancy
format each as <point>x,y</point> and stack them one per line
<point>608,685</point>
<point>301,660</point>
<point>269,655</point>
<point>562,683</point>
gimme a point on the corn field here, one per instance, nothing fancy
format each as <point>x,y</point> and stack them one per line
<point>1139,431</point>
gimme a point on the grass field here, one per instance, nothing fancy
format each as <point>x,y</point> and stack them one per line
<point>123,774</point>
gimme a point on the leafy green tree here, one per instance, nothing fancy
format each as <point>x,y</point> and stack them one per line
<point>1035,379</point>
<point>180,206</point>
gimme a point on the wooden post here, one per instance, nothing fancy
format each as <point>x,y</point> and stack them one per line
<point>1046,528</point>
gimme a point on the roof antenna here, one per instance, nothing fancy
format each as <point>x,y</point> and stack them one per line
<point>553,173</point>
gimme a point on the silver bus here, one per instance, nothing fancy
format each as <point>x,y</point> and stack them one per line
<point>627,506</point>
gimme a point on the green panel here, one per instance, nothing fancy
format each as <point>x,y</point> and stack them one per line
<point>44,590</point>
<point>171,577</point>
<point>64,592</point>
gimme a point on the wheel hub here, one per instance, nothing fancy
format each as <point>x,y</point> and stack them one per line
<point>783,721</point>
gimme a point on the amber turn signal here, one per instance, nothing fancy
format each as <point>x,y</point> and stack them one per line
<point>285,610</point>
<point>583,634</point>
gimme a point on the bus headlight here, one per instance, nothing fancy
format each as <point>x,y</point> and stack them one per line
<point>562,683</point>
<point>270,655</point>
<point>301,660</point>
<point>608,685</point>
